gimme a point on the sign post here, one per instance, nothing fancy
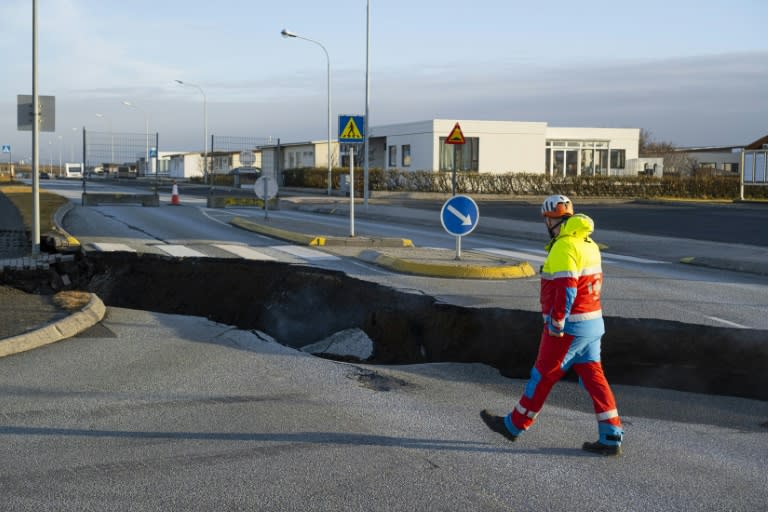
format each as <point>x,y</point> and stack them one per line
<point>455,138</point>
<point>265,188</point>
<point>459,217</point>
<point>7,149</point>
<point>351,131</point>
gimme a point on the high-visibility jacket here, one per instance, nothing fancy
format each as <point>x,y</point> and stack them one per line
<point>571,280</point>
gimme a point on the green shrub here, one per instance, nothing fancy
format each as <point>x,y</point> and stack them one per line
<point>522,184</point>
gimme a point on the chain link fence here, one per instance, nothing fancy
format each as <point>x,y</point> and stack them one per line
<point>120,154</point>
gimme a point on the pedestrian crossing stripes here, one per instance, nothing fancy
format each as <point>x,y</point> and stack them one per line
<point>267,253</point>
<point>109,247</point>
<point>245,252</point>
<point>306,253</point>
<point>181,251</point>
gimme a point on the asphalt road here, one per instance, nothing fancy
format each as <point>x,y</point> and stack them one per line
<point>741,223</point>
<point>157,412</point>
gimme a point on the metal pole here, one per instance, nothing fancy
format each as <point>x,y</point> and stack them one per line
<point>35,140</point>
<point>741,176</point>
<point>330,164</point>
<point>147,167</point>
<point>288,33</point>
<point>352,191</point>
<point>366,124</point>
<point>205,125</point>
<point>84,168</point>
<point>453,178</point>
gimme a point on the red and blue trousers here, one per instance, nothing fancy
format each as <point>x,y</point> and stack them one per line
<point>556,356</point>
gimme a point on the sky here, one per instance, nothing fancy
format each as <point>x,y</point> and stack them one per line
<point>693,73</point>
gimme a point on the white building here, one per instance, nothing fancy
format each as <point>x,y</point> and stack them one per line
<point>503,147</point>
<point>185,165</point>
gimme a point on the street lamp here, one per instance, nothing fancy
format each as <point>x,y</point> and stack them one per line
<point>61,140</point>
<point>72,146</point>
<point>205,125</point>
<point>286,33</point>
<point>146,131</point>
<point>111,138</point>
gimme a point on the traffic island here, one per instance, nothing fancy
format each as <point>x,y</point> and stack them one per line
<point>444,263</point>
<point>101,198</point>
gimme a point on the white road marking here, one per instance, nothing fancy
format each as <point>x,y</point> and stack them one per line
<point>306,253</point>
<point>249,253</point>
<point>181,251</point>
<point>109,247</point>
<point>632,259</point>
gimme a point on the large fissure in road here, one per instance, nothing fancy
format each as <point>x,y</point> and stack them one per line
<point>300,305</point>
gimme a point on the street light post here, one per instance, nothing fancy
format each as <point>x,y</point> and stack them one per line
<point>111,138</point>
<point>205,127</point>
<point>366,122</point>
<point>287,33</point>
<point>146,131</point>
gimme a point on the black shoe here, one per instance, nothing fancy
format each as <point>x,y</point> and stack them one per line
<point>602,449</point>
<point>496,423</point>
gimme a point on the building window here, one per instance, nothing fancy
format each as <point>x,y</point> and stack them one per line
<point>392,156</point>
<point>618,158</point>
<point>467,155</point>
<point>406,150</point>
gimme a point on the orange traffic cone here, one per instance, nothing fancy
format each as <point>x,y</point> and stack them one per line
<point>175,194</point>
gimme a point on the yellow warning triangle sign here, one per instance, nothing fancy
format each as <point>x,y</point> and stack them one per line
<point>351,131</point>
<point>456,136</point>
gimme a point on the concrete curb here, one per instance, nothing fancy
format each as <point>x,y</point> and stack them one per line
<point>290,236</point>
<point>66,242</point>
<point>456,270</point>
<point>317,240</point>
<point>723,264</point>
<point>90,315</point>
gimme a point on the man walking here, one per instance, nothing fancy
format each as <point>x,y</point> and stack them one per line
<point>571,279</point>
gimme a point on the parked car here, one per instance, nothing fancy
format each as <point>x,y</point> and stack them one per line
<point>244,175</point>
<point>252,172</point>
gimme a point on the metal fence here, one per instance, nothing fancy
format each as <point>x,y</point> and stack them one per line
<point>110,152</point>
<point>225,143</point>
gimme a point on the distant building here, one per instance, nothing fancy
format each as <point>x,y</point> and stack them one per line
<point>490,147</point>
<point>504,147</point>
<point>720,158</point>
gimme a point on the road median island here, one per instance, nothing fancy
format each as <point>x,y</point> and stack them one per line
<point>276,232</point>
<point>100,198</point>
<point>443,263</point>
<point>317,240</point>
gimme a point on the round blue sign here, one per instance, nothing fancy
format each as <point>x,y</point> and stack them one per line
<point>459,215</point>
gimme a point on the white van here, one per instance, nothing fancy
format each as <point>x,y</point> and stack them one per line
<point>73,170</point>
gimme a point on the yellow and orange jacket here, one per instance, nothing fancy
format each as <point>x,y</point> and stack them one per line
<point>571,280</point>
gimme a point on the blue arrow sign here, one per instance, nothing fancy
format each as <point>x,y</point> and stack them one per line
<point>459,215</point>
<point>6,148</point>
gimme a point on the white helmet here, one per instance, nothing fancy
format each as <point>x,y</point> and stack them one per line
<point>557,206</point>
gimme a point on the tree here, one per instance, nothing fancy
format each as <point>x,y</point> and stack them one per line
<point>676,160</point>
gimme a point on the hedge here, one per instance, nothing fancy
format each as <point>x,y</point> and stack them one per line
<point>521,184</point>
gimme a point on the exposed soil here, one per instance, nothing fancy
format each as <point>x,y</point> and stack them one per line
<point>299,305</point>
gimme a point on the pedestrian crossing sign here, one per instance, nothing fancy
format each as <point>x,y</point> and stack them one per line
<point>456,136</point>
<point>351,129</point>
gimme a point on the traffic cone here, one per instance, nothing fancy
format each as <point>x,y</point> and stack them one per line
<point>175,194</point>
